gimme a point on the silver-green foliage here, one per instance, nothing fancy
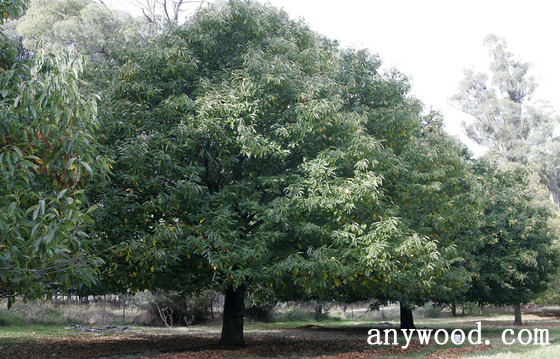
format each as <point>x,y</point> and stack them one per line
<point>513,126</point>
<point>79,26</point>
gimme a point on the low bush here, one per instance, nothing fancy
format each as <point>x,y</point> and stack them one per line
<point>431,311</point>
<point>261,313</point>
<point>171,308</point>
<point>47,313</point>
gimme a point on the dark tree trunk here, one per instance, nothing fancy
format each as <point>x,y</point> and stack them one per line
<point>407,321</point>
<point>318,310</point>
<point>517,311</point>
<point>454,309</point>
<point>554,187</point>
<point>234,308</point>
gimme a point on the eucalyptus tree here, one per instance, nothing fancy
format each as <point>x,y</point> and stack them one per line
<point>81,27</point>
<point>506,120</point>
<point>47,154</point>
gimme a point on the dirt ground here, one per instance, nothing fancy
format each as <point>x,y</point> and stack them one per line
<point>312,341</point>
<point>305,342</point>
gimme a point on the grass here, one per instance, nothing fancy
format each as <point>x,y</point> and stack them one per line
<point>548,352</point>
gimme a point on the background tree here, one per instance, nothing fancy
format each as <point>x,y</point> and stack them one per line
<point>506,121</point>
<point>427,186</point>
<point>158,12</point>
<point>46,155</point>
<point>436,196</point>
<point>82,27</point>
<point>520,253</point>
<point>516,131</point>
<point>414,235</point>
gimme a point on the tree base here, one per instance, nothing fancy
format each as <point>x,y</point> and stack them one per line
<point>232,326</point>
<point>517,312</point>
<point>407,319</point>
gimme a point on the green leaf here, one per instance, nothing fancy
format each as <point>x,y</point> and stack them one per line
<point>61,194</point>
<point>42,206</point>
<point>36,209</point>
<point>12,208</point>
<point>87,167</point>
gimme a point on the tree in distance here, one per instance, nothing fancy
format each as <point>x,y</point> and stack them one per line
<point>81,27</point>
<point>506,120</point>
<point>518,133</point>
<point>520,254</point>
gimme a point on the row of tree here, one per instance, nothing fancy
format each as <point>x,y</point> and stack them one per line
<point>243,152</point>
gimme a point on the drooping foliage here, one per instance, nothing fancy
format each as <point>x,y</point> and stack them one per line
<point>207,134</point>
<point>428,193</point>
<point>252,156</point>
<point>47,155</point>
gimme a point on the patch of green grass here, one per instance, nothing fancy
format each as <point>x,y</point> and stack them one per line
<point>518,352</point>
<point>10,318</point>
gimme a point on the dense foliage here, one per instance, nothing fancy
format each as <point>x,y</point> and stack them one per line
<point>47,155</point>
<point>251,153</point>
<point>519,256</point>
<point>247,154</point>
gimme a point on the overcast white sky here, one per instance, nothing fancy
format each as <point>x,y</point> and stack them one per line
<point>432,41</point>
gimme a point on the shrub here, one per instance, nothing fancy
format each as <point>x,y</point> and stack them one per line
<point>172,308</point>
<point>261,313</point>
<point>431,311</point>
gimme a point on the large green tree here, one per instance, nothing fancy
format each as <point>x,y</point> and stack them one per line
<point>247,157</point>
<point>427,203</point>
<point>436,197</point>
<point>520,253</point>
<point>208,127</point>
<point>47,154</point>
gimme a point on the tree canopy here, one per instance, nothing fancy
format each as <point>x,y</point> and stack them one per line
<point>80,27</point>
<point>519,255</point>
<point>47,155</point>
<point>243,152</point>
<point>251,153</point>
